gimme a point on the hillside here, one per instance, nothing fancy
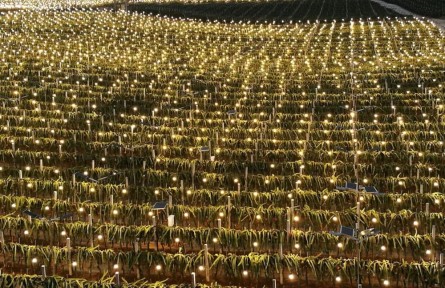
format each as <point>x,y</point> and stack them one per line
<point>154,151</point>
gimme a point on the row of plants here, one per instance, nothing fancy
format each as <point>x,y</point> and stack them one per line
<point>412,142</point>
<point>229,240</point>
<point>259,265</point>
<point>210,181</point>
<point>327,200</point>
<point>276,217</point>
<point>34,281</point>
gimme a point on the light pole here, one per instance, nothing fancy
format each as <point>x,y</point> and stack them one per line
<point>358,236</point>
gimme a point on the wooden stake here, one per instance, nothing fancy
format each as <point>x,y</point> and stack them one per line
<point>136,250</point>
<point>206,262</point>
<point>181,189</point>
<point>281,265</point>
<point>193,175</point>
<point>154,233</point>
<point>68,248</point>
<point>292,208</point>
<point>90,228</point>
<point>43,269</point>
<point>246,173</point>
<point>210,149</point>
<point>229,208</point>
<point>193,280</point>
<point>433,236</point>
<point>116,278</point>
<point>288,229</point>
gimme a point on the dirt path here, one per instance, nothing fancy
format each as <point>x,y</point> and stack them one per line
<point>440,23</point>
